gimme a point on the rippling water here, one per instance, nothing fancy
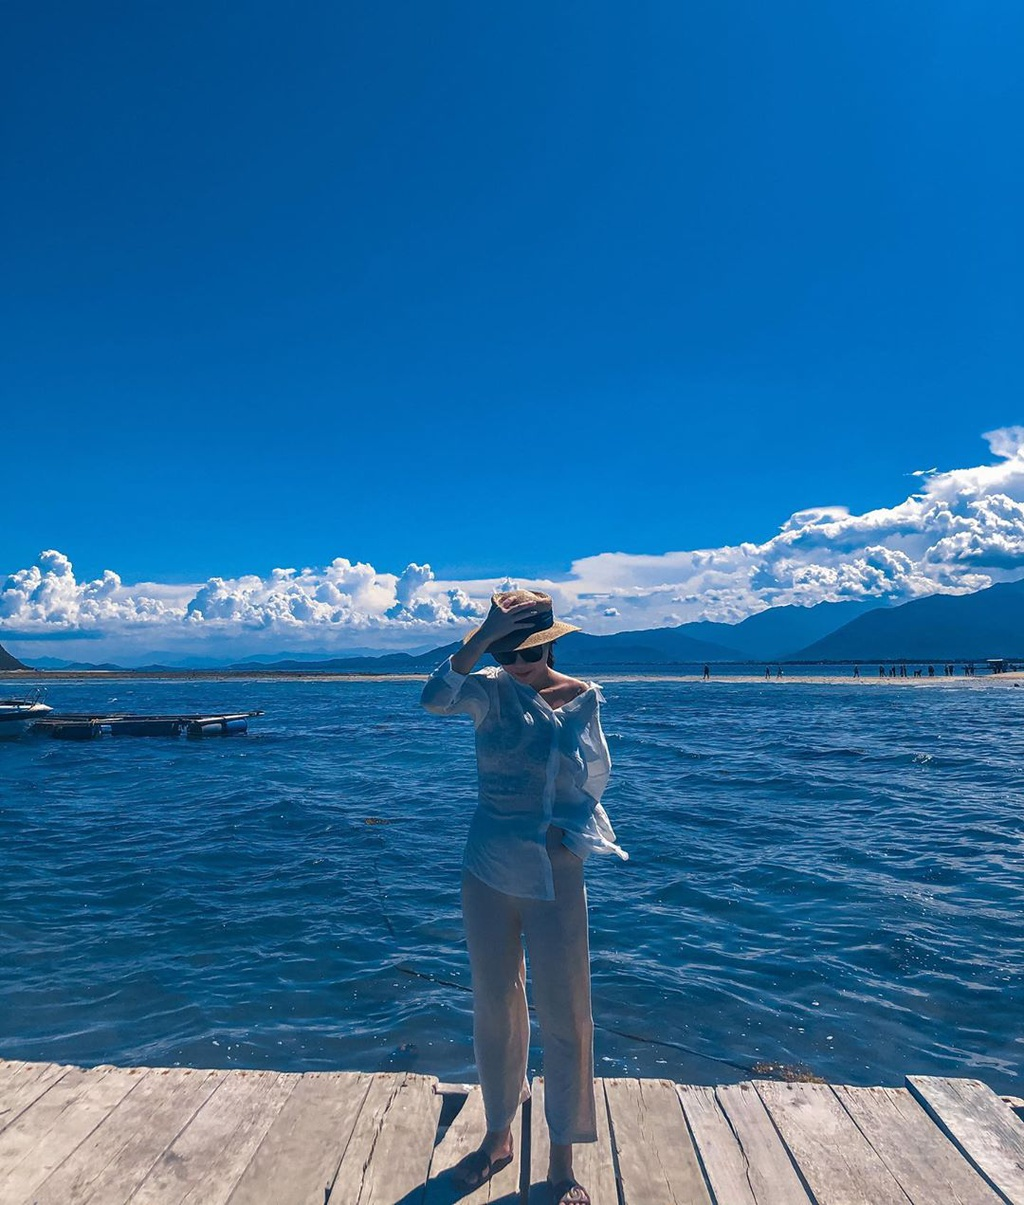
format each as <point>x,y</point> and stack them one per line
<point>825,876</point>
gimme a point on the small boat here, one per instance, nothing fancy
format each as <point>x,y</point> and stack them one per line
<point>18,715</point>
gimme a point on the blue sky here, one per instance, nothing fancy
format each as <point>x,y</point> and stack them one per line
<point>495,289</point>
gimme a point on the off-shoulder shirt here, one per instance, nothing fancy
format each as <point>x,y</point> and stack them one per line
<point>536,767</point>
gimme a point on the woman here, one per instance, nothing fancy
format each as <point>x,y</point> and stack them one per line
<point>542,765</point>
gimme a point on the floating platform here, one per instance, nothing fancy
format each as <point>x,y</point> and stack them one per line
<point>109,1135</point>
<point>85,727</point>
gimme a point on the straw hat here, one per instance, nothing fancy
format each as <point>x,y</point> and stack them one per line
<point>542,628</point>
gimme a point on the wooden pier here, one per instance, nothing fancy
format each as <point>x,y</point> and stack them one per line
<point>156,1136</point>
<point>87,726</point>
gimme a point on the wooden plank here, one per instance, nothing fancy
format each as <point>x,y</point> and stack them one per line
<point>205,1162</point>
<point>927,1166</point>
<point>297,1161</point>
<point>725,1163</point>
<point>8,1068</point>
<point>834,1158</point>
<point>113,1161</point>
<point>23,1086</point>
<point>986,1129</point>
<point>744,1158</point>
<point>45,1134</point>
<point>388,1156</point>
<point>463,1136</point>
<point>770,1168</point>
<point>655,1157</point>
<point>593,1162</point>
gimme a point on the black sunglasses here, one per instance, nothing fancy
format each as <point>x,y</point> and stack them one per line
<point>531,654</point>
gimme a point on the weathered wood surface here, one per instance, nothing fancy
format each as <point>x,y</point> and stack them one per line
<point>982,1125</point>
<point>152,1136</point>
<point>388,1157</point>
<point>298,1160</point>
<point>836,1161</point>
<point>923,1161</point>
<point>23,1084</point>
<point>204,1163</point>
<point>657,1162</point>
<point>743,1156</point>
<point>39,1141</point>
<point>116,1157</point>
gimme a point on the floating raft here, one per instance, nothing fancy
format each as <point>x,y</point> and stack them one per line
<point>110,1135</point>
<point>87,726</point>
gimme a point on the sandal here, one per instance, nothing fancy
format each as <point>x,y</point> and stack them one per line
<point>569,1192</point>
<point>477,1168</point>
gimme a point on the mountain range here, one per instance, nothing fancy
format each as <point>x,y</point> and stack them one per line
<point>941,627</point>
<point>777,634</point>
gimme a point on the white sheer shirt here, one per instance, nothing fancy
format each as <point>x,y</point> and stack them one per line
<point>536,767</point>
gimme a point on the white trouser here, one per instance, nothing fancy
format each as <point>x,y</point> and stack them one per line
<point>555,933</point>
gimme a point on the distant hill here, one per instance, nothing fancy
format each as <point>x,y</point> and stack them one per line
<point>47,663</point>
<point>389,663</point>
<point>659,646</point>
<point>775,634</point>
<point>156,662</point>
<point>771,635</point>
<point>268,658</point>
<point>9,662</point>
<point>55,663</point>
<point>656,646</point>
<point>942,627</point>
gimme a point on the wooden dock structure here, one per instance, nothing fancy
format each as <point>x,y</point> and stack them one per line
<point>157,1136</point>
<point>89,725</point>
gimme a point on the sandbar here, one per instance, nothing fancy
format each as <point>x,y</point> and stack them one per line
<point>39,677</point>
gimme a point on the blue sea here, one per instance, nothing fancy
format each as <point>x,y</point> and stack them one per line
<point>821,877</point>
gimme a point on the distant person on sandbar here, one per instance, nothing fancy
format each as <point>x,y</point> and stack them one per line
<point>767,671</point>
<point>543,764</point>
<point>881,671</point>
<point>707,673</point>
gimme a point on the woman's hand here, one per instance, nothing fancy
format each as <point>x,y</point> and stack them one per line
<point>502,622</point>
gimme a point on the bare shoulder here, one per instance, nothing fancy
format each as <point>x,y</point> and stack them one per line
<point>565,689</point>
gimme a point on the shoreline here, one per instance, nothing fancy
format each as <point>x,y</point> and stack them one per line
<point>40,677</point>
